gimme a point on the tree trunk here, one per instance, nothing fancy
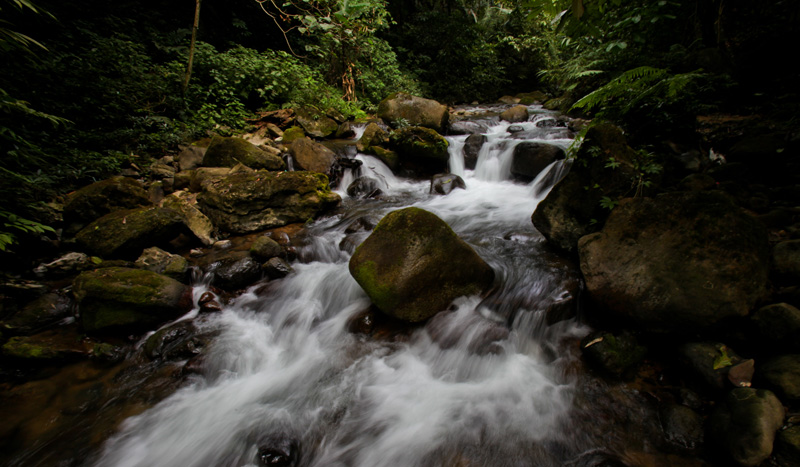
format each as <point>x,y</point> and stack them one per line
<point>191,46</point>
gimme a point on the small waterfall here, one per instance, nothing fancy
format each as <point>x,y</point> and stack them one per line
<point>456,151</point>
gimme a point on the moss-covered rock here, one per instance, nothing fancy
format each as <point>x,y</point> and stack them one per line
<point>265,248</point>
<point>518,113</point>
<point>373,135</point>
<point>412,110</point>
<point>535,97</point>
<point>387,156</point>
<point>678,262</point>
<point>227,152</point>
<point>249,202</point>
<point>292,134</point>
<point>413,265</point>
<point>612,353</point>
<point>45,348</point>
<point>421,149</point>
<point>124,300</point>
<point>40,313</point>
<point>157,260</point>
<point>315,122</point>
<point>98,199</point>
<point>312,156</point>
<point>124,234</point>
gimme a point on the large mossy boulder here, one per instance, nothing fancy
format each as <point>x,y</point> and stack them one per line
<point>315,122</point>
<point>125,300</point>
<point>421,149</point>
<point>98,199</point>
<point>373,135</point>
<point>413,266</point>
<point>412,110</point>
<point>312,156</point>
<point>49,347</point>
<point>572,208</point>
<point>124,234</point>
<point>228,152</point>
<point>252,201</point>
<point>530,158</point>
<point>744,425</point>
<point>678,262</point>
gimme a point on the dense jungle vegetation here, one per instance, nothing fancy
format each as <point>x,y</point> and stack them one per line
<point>88,88</point>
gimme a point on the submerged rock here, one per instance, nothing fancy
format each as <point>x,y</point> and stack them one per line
<point>413,265</point>
<point>413,110</point>
<point>249,202</point>
<point>678,262</point>
<point>124,300</point>
<point>745,423</point>
<point>227,152</point>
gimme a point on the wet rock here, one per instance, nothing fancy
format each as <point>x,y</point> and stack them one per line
<point>359,225</point>
<point>123,234</point>
<point>679,262</point>
<point>387,156</point>
<point>199,224</point>
<point>741,374</point>
<point>157,260</point>
<point>44,311</point>
<point>278,450</point>
<point>315,122</point>
<point>710,362</point>
<point>312,156</point>
<point>546,122</point>
<point>787,447</point>
<point>786,258</point>
<point>364,187</point>
<point>467,127</point>
<point>265,248</point>
<point>191,157</point>
<point>612,353</point>
<point>106,353</point>
<point>413,266</point>
<point>373,135</point>
<point>235,273</point>
<point>518,113</point>
<point>362,322</point>
<point>346,130</point>
<point>570,211</point>
<point>530,158</point>
<point>228,152</point>
<point>177,342</point>
<point>45,348</point>
<point>276,268</point>
<point>782,375</point>
<point>744,424</point>
<point>472,147</point>
<point>778,326</point>
<point>249,202</point>
<point>70,263</point>
<point>123,300</point>
<point>443,184</point>
<point>413,110</point>
<point>98,199</point>
<point>421,149</point>
<point>682,426</point>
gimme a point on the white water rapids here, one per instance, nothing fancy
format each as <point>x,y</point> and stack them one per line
<point>285,367</point>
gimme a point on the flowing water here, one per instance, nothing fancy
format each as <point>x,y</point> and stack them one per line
<point>484,383</point>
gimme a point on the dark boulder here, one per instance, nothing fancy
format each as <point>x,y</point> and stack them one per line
<point>124,300</point>
<point>710,362</point>
<point>49,347</point>
<point>98,199</point>
<point>782,375</point>
<point>678,262</point>
<point>421,149</point>
<point>264,248</point>
<point>472,148</point>
<point>413,110</point>
<point>786,257</point>
<point>778,326</point>
<point>364,187</point>
<point>443,184</point>
<point>232,273</point>
<point>530,158</point>
<point>276,268</point>
<point>227,152</point>
<point>612,353</point>
<point>413,265</point>
<point>44,311</point>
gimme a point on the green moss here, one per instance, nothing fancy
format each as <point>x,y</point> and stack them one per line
<point>292,134</point>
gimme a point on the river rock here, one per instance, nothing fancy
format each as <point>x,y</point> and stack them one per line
<point>185,203</point>
<point>124,300</point>
<point>518,113</point>
<point>315,122</point>
<point>612,353</point>
<point>249,202</point>
<point>387,156</point>
<point>44,311</point>
<point>227,152</point>
<point>191,157</point>
<point>180,341</point>
<point>682,426</point>
<point>530,158</point>
<point>125,234</point>
<point>443,184</point>
<point>529,98</point>
<point>312,156</point>
<point>678,262</point>
<point>276,268</point>
<point>45,348</point>
<point>421,149</point>
<point>778,326</point>
<point>472,148</point>
<point>70,263</point>
<point>157,260</point>
<point>413,265</point>
<point>98,199</point>
<point>710,362</point>
<point>782,375</point>
<point>786,258</point>
<point>744,424</point>
<point>787,447</point>
<point>364,187</point>
<point>346,130</point>
<point>373,135</point>
<point>412,110</point>
<point>570,210</point>
<point>235,273</point>
<point>265,248</point>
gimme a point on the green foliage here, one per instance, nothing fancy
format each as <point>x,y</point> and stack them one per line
<point>17,223</point>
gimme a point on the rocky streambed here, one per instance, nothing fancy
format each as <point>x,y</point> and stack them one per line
<point>400,297</point>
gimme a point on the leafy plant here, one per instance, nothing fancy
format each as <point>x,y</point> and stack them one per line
<point>13,221</point>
